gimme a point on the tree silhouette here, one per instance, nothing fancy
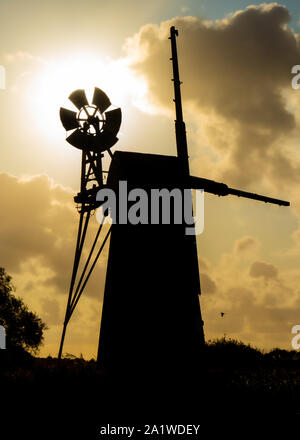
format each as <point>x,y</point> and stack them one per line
<point>24,329</point>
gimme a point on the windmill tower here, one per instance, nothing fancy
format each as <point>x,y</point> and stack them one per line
<point>151,319</point>
<point>92,129</point>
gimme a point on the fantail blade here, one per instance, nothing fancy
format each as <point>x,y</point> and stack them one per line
<point>68,119</point>
<point>78,98</point>
<point>113,120</point>
<point>100,100</point>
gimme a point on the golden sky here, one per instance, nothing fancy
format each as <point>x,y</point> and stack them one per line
<point>243,126</point>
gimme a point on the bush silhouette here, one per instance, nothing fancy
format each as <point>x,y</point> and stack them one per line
<point>24,329</point>
<point>230,352</point>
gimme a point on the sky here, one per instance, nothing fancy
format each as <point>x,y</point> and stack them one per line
<point>243,128</point>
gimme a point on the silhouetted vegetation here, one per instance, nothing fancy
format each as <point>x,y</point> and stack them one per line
<point>228,363</point>
<point>236,382</point>
<point>24,329</point>
<point>230,352</point>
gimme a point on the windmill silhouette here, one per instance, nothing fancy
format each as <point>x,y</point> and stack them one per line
<point>151,319</point>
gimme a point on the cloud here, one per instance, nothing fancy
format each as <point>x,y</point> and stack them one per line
<point>264,270</point>
<point>52,312</point>
<point>184,8</point>
<point>203,264</point>
<point>207,284</point>
<point>22,57</point>
<point>20,68</point>
<point>37,236</point>
<point>237,83</point>
<point>38,221</point>
<point>34,217</point>
<point>259,300</point>
<point>245,244</point>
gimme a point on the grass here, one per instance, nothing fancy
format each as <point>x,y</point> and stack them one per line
<point>234,380</point>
